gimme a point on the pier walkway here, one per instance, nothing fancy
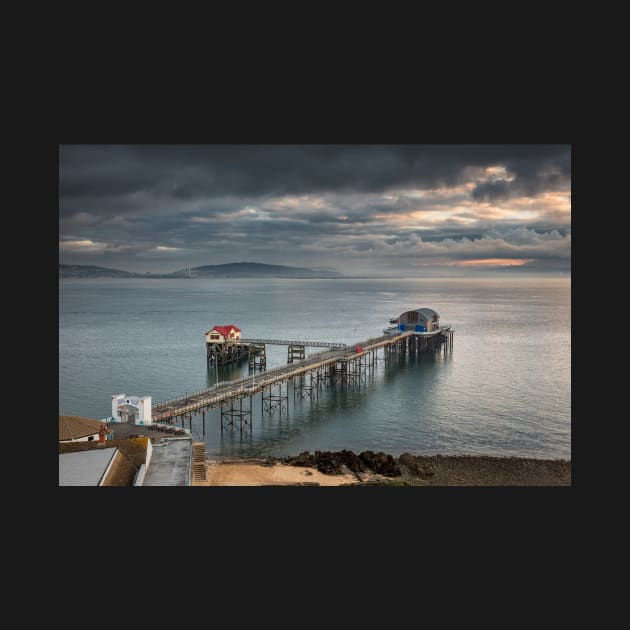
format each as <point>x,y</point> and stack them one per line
<point>211,397</point>
<point>282,342</point>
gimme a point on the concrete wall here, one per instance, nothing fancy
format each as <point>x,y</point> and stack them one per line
<point>149,452</point>
<point>142,471</point>
<point>109,467</point>
<point>139,479</point>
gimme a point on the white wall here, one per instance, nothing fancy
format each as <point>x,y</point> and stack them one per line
<point>149,453</point>
<point>94,437</point>
<point>221,339</point>
<point>140,475</point>
<point>116,400</point>
<point>143,416</point>
<point>109,467</point>
<point>144,405</point>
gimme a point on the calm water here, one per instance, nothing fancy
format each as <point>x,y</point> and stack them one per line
<point>505,390</point>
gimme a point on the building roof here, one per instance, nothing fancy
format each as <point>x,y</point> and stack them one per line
<point>225,330</point>
<point>85,468</point>
<point>75,427</point>
<point>133,453</point>
<point>428,313</point>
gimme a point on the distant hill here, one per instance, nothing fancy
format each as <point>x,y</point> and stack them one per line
<point>229,270</point>
<point>255,270</point>
<point>92,271</point>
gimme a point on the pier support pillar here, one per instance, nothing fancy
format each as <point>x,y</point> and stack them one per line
<point>225,353</point>
<point>274,398</point>
<point>295,353</point>
<point>236,416</point>
<point>257,356</point>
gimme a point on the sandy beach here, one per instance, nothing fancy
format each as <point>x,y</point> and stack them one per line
<point>275,474</point>
<point>344,468</point>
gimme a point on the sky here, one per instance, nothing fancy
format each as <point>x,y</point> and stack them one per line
<point>367,210</point>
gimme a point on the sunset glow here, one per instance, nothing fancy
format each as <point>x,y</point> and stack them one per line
<point>492,262</point>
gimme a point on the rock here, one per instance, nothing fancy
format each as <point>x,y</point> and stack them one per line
<point>327,463</point>
<point>334,463</point>
<point>414,466</point>
<point>304,459</point>
<point>381,463</point>
<point>352,461</point>
<point>407,459</point>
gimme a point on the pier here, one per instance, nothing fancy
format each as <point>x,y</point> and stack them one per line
<point>282,342</point>
<point>338,363</point>
<point>415,331</point>
<point>224,346</point>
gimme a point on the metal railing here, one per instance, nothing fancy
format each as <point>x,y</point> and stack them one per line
<point>227,389</point>
<point>283,342</point>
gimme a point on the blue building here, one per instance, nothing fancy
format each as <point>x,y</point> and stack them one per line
<point>420,320</point>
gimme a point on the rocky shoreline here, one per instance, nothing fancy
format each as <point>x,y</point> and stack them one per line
<point>378,468</point>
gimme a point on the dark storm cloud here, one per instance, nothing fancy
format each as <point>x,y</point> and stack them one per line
<point>530,175</point>
<point>176,205</point>
<point>187,172</point>
<point>523,185</point>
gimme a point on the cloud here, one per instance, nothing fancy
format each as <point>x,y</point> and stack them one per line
<point>194,171</point>
<point>354,207</point>
<point>81,246</point>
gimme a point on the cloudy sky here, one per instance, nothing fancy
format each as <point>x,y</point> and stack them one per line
<point>361,209</point>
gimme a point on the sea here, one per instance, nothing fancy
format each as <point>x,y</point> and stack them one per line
<point>504,390</point>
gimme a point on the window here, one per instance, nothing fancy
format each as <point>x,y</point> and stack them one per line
<point>90,438</point>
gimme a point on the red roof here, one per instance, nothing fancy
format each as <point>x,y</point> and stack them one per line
<point>225,330</point>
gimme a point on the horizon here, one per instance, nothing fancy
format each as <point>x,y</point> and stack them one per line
<point>362,210</point>
<point>494,272</point>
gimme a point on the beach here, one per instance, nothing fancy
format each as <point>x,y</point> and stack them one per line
<point>269,474</point>
<point>346,469</point>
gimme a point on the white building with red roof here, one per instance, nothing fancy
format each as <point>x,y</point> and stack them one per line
<point>221,334</point>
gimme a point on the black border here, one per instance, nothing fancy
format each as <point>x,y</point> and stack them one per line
<point>360,521</point>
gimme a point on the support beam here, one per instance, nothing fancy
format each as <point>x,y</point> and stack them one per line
<point>295,353</point>
<point>257,356</point>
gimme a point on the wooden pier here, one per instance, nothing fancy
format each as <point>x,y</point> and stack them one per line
<point>339,363</point>
<point>233,351</point>
<point>285,342</point>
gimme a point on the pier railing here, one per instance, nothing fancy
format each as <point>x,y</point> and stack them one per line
<point>284,342</point>
<point>247,384</point>
<point>241,381</point>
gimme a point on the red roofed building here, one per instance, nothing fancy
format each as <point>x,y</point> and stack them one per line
<point>221,334</point>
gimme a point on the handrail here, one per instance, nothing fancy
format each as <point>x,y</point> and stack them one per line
<point>283,342</point>
<point>229,386</point>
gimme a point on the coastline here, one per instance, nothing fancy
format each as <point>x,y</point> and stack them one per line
<point>344,468</point>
